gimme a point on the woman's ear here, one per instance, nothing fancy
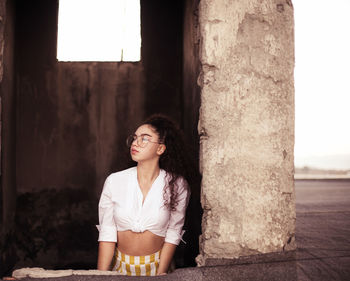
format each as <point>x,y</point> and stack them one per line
<point>161,149</point>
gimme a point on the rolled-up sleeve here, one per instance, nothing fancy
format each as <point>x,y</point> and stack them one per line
<point>177,216</point>
<point>107,228</point>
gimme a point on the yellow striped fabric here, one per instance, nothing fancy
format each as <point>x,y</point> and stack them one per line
<point>136,265</point>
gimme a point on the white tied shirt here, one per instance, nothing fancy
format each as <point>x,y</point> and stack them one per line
<point>121,207</point>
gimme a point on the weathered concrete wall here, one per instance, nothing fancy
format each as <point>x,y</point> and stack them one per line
<point>72,124</point>
<point>246,127</point>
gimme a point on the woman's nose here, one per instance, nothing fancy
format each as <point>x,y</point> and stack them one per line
<point>135,141</point>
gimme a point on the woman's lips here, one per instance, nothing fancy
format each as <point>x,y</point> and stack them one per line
<point>134,151</point>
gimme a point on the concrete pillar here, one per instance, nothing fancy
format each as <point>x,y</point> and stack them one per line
<point>246,127</point>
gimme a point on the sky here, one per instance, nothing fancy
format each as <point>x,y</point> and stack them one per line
<point>322,88</point>
<point>101,31</point>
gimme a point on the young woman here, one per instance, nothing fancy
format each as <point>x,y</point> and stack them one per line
<point>142,209</point>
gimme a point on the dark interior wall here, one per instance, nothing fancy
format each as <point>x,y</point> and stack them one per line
<point>105,104</point>
<point>162,33</point>
<point>8,137</point>
<point>191,104</point>
<point>191,69</point>
<point>81,118</point>
<point>72,121</point>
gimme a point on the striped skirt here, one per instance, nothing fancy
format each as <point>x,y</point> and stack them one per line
<point>136,265</point>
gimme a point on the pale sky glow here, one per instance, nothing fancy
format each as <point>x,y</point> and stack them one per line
<point>322,78</point>
<point>98,30</point>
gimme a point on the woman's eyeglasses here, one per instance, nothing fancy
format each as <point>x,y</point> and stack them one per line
<point>141,140</point>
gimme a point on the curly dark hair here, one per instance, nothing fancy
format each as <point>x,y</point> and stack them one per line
<point>176,160</point>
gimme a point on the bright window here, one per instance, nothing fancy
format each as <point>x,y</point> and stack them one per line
<point>99,30</point>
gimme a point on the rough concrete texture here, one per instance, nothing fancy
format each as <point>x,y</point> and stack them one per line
<point>246,127</point>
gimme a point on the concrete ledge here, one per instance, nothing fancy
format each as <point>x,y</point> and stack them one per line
<point>37,272</point>
<point>274,266</point>
<point>258,271</point>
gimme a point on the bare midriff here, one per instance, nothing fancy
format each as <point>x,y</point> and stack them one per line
<point>139,243</point>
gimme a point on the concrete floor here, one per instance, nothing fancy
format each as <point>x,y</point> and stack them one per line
<point>322,236</point>
<point>323,229</point>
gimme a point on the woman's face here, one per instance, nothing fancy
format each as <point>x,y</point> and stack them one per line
<point>146,145</point>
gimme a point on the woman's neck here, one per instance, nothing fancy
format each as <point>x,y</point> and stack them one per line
<point>147,172</point>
